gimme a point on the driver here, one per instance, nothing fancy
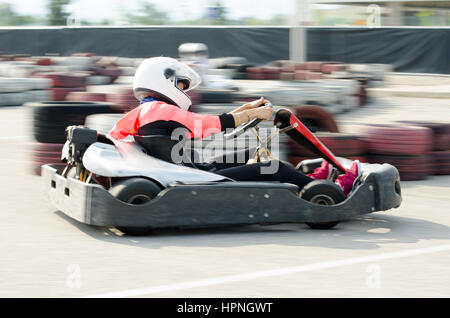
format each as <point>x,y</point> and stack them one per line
<point>161,83</point>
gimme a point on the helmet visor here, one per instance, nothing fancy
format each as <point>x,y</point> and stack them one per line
<point>189,77</point>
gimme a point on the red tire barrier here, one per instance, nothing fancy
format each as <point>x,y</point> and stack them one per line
<point>286,76</point>
<point>342,145</point>
<point>60,93</point>
<point>256,73</point>
<point>43,153</point>
<point>314,66</point>
<point>441,133</point>
<point>288,67</point>
<point>123,99</point>
<point>271,72</point>
<point>113,72</point>
<point>316,118</point>
<point>86,97</point>
<point>329,68</point>
<point>399,140</point>
<point>36,60</point>
<point>440,162</point>
<point>409,167</point>
<point>63,79</point>
<point>307,75</point>
<point>300,66</point>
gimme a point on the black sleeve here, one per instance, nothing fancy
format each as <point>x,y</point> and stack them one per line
<point>226,121</point>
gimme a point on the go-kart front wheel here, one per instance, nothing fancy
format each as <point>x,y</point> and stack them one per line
<point>322,192</point>
<point>135,191</point>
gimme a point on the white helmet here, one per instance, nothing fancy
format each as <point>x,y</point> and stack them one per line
<point>158,77</point>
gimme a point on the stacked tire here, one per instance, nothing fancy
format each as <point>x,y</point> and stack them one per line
<point>350,146</point>
<point>123,99</point>
<point>49,121</point>
<point>86,97</point>
<point>403,146</point>
<point>64,82</point>
<point>45,153</point>
<point>316,118</point>
<point>319,121</point>
<point>440,151</point>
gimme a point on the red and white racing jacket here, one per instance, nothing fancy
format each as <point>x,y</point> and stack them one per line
<point>160,118</point>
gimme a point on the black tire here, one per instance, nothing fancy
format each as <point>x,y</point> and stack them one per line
<point>135,191</point>
<point>322,192</point>
<point>50,119</point>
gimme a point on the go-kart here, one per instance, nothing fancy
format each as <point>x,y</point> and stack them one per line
<point>136,187</point>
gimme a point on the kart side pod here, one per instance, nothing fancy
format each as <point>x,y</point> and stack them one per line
<point>196,205</point>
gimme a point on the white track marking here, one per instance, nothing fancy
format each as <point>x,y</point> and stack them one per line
<point>269,273</point>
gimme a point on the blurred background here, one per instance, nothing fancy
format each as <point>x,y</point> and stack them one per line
<point>370,78</point>
<point>220,12</point>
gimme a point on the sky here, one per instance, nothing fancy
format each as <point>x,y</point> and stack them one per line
<point>97,10</point>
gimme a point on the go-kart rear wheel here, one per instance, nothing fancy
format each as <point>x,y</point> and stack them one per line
<point>135,191</point>
<point>322,192</point>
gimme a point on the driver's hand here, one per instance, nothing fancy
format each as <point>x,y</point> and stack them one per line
<point>255,103</point>
<point>264,112</point>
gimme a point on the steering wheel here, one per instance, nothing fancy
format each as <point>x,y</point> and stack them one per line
<point>245,126</point>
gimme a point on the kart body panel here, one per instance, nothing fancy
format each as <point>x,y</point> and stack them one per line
<point>213,203</point>
<point>128,159</point>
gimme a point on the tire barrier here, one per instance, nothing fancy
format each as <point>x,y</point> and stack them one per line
<point>407,147</point>
<point>50,119</point>
<point>62,79</point>
<point>316,118</point>
<point>307,75</point>
<point>60,93</point>
<point>409,167</point>
<point>440,162</point>
<point>441,133</point>
<point>332,67</point>
<point>122,99</point>
<point>345,145</point>
<point>86,97</point>
<point>111,71</point>
<point>398,140</point>
<point>340,144</point>
<point>16,91</point>
<point>316,71</point>
<point>45,153</point>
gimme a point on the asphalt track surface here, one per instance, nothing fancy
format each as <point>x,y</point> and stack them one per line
<point>403,252</point>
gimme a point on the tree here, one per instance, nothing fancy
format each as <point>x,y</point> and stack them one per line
<point>218,13</point>
<point>57,13</point>
<point>9,17</point>
<point>147,14</point>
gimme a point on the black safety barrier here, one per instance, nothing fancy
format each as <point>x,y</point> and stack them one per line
<point>421,50</point>
<point>416,50</point>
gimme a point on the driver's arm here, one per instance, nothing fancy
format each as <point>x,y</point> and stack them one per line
<point>250,105</point>
<point>263,113</point>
